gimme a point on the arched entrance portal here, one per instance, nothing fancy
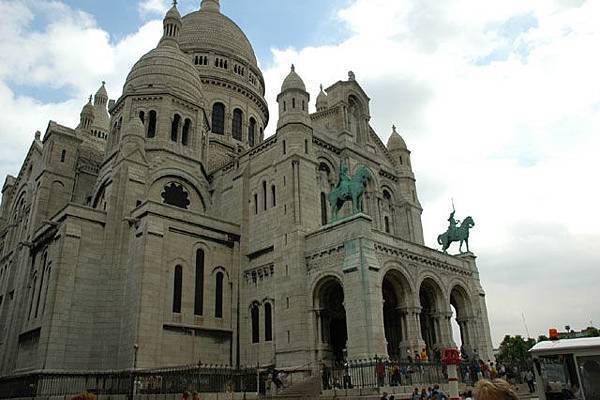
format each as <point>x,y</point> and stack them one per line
<point>329,296</point>
<point>430,299</point>
<point>391,322</point>
<point>459,300</point>
<point>395,291</point>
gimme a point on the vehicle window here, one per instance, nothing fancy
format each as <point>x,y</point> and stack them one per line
<point>559,376</point>
<point>589,371</point>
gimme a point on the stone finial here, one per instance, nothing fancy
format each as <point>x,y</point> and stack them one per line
<point>351,76</point>
<point>293,68</point>
<point>38,134</point>
<point>394,129</point>
<point>90,100</point>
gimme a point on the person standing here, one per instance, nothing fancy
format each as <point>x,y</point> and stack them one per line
<point>529,377</point>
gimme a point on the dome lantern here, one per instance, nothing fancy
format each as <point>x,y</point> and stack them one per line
<point>171,27</point>
<point>211,5</point>
<point>293,100</point>
<point>322,102</point>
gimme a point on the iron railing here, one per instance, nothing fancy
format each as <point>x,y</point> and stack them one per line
<point>202,379</point>
<point>377,373</point>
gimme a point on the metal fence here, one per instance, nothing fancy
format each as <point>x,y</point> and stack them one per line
<point>378,373</point>
<point>202,379</point>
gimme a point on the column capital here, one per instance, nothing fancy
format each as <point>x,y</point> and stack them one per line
<point>410,309</point>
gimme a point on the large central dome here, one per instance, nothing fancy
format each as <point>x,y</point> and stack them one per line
<point>208,29</point>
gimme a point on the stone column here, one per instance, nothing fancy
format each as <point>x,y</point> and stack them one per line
<point>413,337</point>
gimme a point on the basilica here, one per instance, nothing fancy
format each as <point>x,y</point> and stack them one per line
<point>167,230</point>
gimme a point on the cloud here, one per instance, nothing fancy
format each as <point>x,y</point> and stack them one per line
<point>54,46</point>
<point>156,7</point>
<point>497,103</point>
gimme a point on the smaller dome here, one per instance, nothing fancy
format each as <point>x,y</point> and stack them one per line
<point>173,13</point>
<point>102,93</point>
<point>165,68</point>
<point>395,142</point>
<point>293,81</point>
<point>88,109</point>
<point>322,102</point>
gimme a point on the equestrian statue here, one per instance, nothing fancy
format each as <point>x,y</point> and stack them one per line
<point>349,189</point>
<point>457,232</point>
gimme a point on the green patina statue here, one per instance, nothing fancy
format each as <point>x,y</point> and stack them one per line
<point>349,189</point>
<point>456,232</point>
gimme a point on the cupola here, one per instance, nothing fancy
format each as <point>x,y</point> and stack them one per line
<point>86,118</point>
<point>398,150</point>
<point>322,102</point>
<point>293,100</point>
<point>171,27</point>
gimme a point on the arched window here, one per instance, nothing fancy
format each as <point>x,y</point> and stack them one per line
<point>273,196</point>
<point>199,289</point>
<point>264,193</point>
<point>236,127</point>
<point>268,322</point>
<point>185,134</point>
<point>218,118</point>
<point>255,203</point>
<point>323,209</point>
<point>219,295</point>
<point>151,124</point>
<point>284,106</point>
<point>175,127</point>
<point>63,155</point>
<point>142,117</point>
<point>255,323</point>
<point>293,102</point>
<point>386,222</point>
<point>177,283</point>
<point>251,132</point>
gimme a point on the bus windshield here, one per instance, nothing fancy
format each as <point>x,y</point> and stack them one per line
<point>559,376</point>
<point>589,371</point>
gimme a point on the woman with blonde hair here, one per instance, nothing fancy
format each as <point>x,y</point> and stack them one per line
<point>498,389</point>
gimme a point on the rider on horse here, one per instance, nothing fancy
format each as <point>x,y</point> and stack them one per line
<point>453,224</point>
<point>343,174</point>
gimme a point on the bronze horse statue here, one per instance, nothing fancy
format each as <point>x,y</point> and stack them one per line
<point>349,189</point>
<point>457,234</point>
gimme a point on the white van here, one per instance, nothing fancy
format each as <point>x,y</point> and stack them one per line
<point>567,369</point>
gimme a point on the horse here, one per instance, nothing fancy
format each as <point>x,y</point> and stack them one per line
<point>350,189</point>
<point>458,234</point>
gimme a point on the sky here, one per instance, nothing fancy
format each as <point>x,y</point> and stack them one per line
<point>499,102</point>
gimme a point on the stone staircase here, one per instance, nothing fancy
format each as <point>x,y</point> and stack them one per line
<point>309,388</point>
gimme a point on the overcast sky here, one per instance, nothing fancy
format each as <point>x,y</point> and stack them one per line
<point>499,102</point>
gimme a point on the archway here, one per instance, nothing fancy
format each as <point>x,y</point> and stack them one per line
<point>395,290</point>
<point>329,296</point>
<point>461,308</point>
<point>430,299</point>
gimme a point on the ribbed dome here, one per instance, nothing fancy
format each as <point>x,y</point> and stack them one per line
<point>322,102</point>
<point>88,109</point>
<point>209,30</point>
<point>293,81</point>
<point>395,142</point>
<point>165,69</point>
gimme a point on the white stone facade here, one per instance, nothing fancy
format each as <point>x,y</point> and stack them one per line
<point>171,232</point>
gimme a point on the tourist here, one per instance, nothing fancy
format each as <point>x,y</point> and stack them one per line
<point>326,375</point>
<point>185,395</point>
<point>469,395</point>
<point>529,379</point>
<point>440,394</point>
<point>380,372</point>
<point>424,356</point>
<point>416,395</point>
<point>384,396</point>
<point>424,394</point>
<point>498,389</point>
<point>195,395</point>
